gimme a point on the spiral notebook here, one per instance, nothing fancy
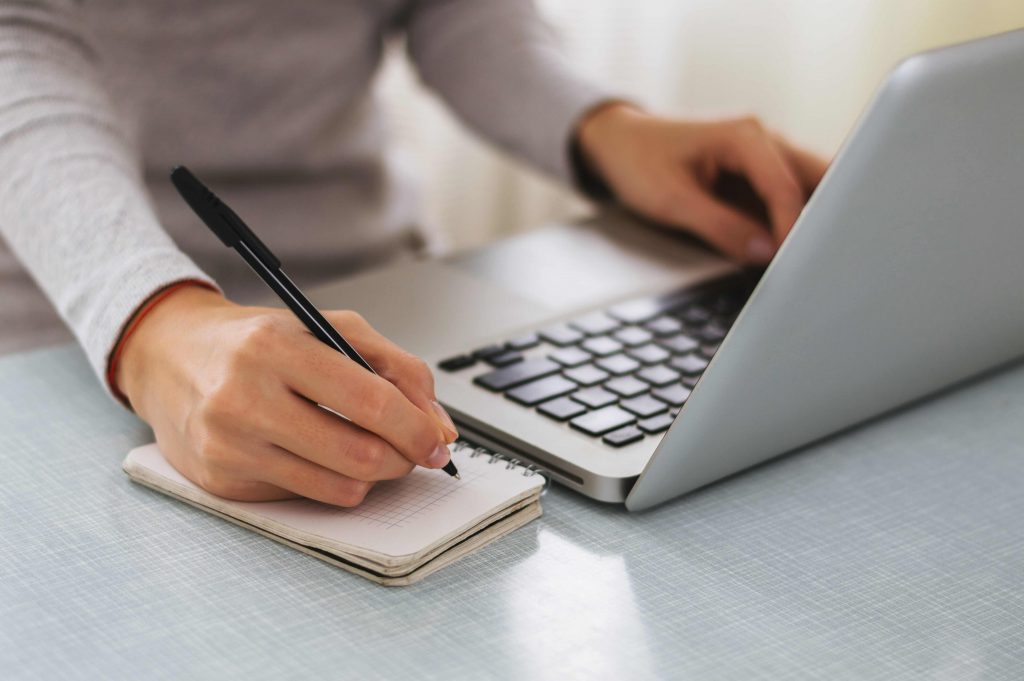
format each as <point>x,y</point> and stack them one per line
<point>403,531</point>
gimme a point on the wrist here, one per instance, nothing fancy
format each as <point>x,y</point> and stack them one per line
<point>601,129</point>
<point>158,322</point>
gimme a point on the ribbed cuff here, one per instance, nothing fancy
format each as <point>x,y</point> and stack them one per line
<point>123,292</point>
<point>564,113</point>
<point>133,324</point>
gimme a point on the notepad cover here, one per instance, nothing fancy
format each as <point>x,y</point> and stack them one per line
<point>403,531</point>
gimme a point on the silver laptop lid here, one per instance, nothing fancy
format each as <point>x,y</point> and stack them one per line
<point>904,274</point>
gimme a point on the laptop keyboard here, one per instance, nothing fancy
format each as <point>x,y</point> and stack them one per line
<point>620,374</point>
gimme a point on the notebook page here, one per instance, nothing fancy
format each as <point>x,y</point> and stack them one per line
<point>399,518</point>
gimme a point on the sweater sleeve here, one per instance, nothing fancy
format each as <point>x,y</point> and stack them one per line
<point>73,205</point>
<point>499,66</point>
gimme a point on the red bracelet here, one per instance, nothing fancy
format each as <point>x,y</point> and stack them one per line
<point>144,309</point>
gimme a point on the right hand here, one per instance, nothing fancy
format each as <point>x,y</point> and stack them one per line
<point>667,170</point>
<point>231,393</point>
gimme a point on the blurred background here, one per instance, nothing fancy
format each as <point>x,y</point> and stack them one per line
<point>806,67</point>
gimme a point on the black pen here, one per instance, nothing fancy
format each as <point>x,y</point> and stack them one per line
<point>226,224</point>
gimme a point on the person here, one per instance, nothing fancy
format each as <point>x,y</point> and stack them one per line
<point>272,103</point>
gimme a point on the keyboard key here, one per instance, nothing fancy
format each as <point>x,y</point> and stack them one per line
<point>571,356</point>
<point>627,386</point>
<point>623,436</point>
<point>727,302</point>
<point>656,424</point>
<point>691,381</point>
<point>709,349</point>
<point>679,344</point>
<point>633,336</point>
<point>601,345</point>
<point>713,333</point>
<point>504,359</point>
<point>561,335</point>
<point>517,374</point>
<point>561,409</point>
<point>488,351</point>
<point>530,340</point>
<point>618,364</point>
<point>689,364</point>
<point>675,394</point>
<point>658,375</point>
<point>724,295</point>
<point>594,397</point>
<point>664,326</point>
<point>587,374</point>
<point>643,406</point>
<point>595,324</point>
<point>541,390</point>
<point>636,311</point>
<point>649,354</point>
<point>675,411</point>
<point>693,331</point>
<point>696,314</point>
<point>457,362</point>
<point>724,320</point>
<point>602,421</point>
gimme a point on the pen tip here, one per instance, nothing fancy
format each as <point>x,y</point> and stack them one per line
<point>458,477</point>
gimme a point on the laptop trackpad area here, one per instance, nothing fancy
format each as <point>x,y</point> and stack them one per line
<point>431,308</point>
<point>572,267</point>
<point>435,308</point>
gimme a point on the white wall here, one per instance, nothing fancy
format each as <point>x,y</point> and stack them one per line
<point>807,67</point>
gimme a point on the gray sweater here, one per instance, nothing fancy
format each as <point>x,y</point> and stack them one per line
<point>270,102</point>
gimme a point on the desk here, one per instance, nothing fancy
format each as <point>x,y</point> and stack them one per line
<point>893,551</point>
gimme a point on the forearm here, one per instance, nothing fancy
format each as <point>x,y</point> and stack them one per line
<point>501,70</point>
<point>73,207</point>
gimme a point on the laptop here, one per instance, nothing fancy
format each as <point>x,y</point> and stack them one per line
<point>633,365</point>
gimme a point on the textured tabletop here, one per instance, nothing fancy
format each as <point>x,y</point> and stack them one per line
<point>893,551</point>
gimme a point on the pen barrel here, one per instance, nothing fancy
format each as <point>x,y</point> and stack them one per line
<point>288,292</point>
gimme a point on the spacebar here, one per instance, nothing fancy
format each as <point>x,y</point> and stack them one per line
<point>514,375</point>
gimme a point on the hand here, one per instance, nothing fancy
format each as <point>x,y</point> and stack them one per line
<point>665,170</point>
<point>231,393</point>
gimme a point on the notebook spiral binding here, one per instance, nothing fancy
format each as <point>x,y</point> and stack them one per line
<point>528,469</point>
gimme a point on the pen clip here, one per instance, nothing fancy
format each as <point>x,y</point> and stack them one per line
<point>246,235</point>
<point>223,221</point>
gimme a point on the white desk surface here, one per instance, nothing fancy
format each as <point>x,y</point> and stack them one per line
<point>893,551</point>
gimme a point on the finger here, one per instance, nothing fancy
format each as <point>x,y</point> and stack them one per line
<point>738,236</point>
<point>407,372</point>
<point>218,476</point>
<point>318,436</point>
<point>251,490</point>
<point>809,167</point>
<point>294,474</point>
<point>748,149</point>
<point>387,358</point>
<point>321,374</point>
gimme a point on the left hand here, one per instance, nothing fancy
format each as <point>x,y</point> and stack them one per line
<point>665,169</point>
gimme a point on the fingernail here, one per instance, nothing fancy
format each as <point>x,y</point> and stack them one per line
<point>439,457</point>
<point>445,419</point>
<point>760,249</point>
